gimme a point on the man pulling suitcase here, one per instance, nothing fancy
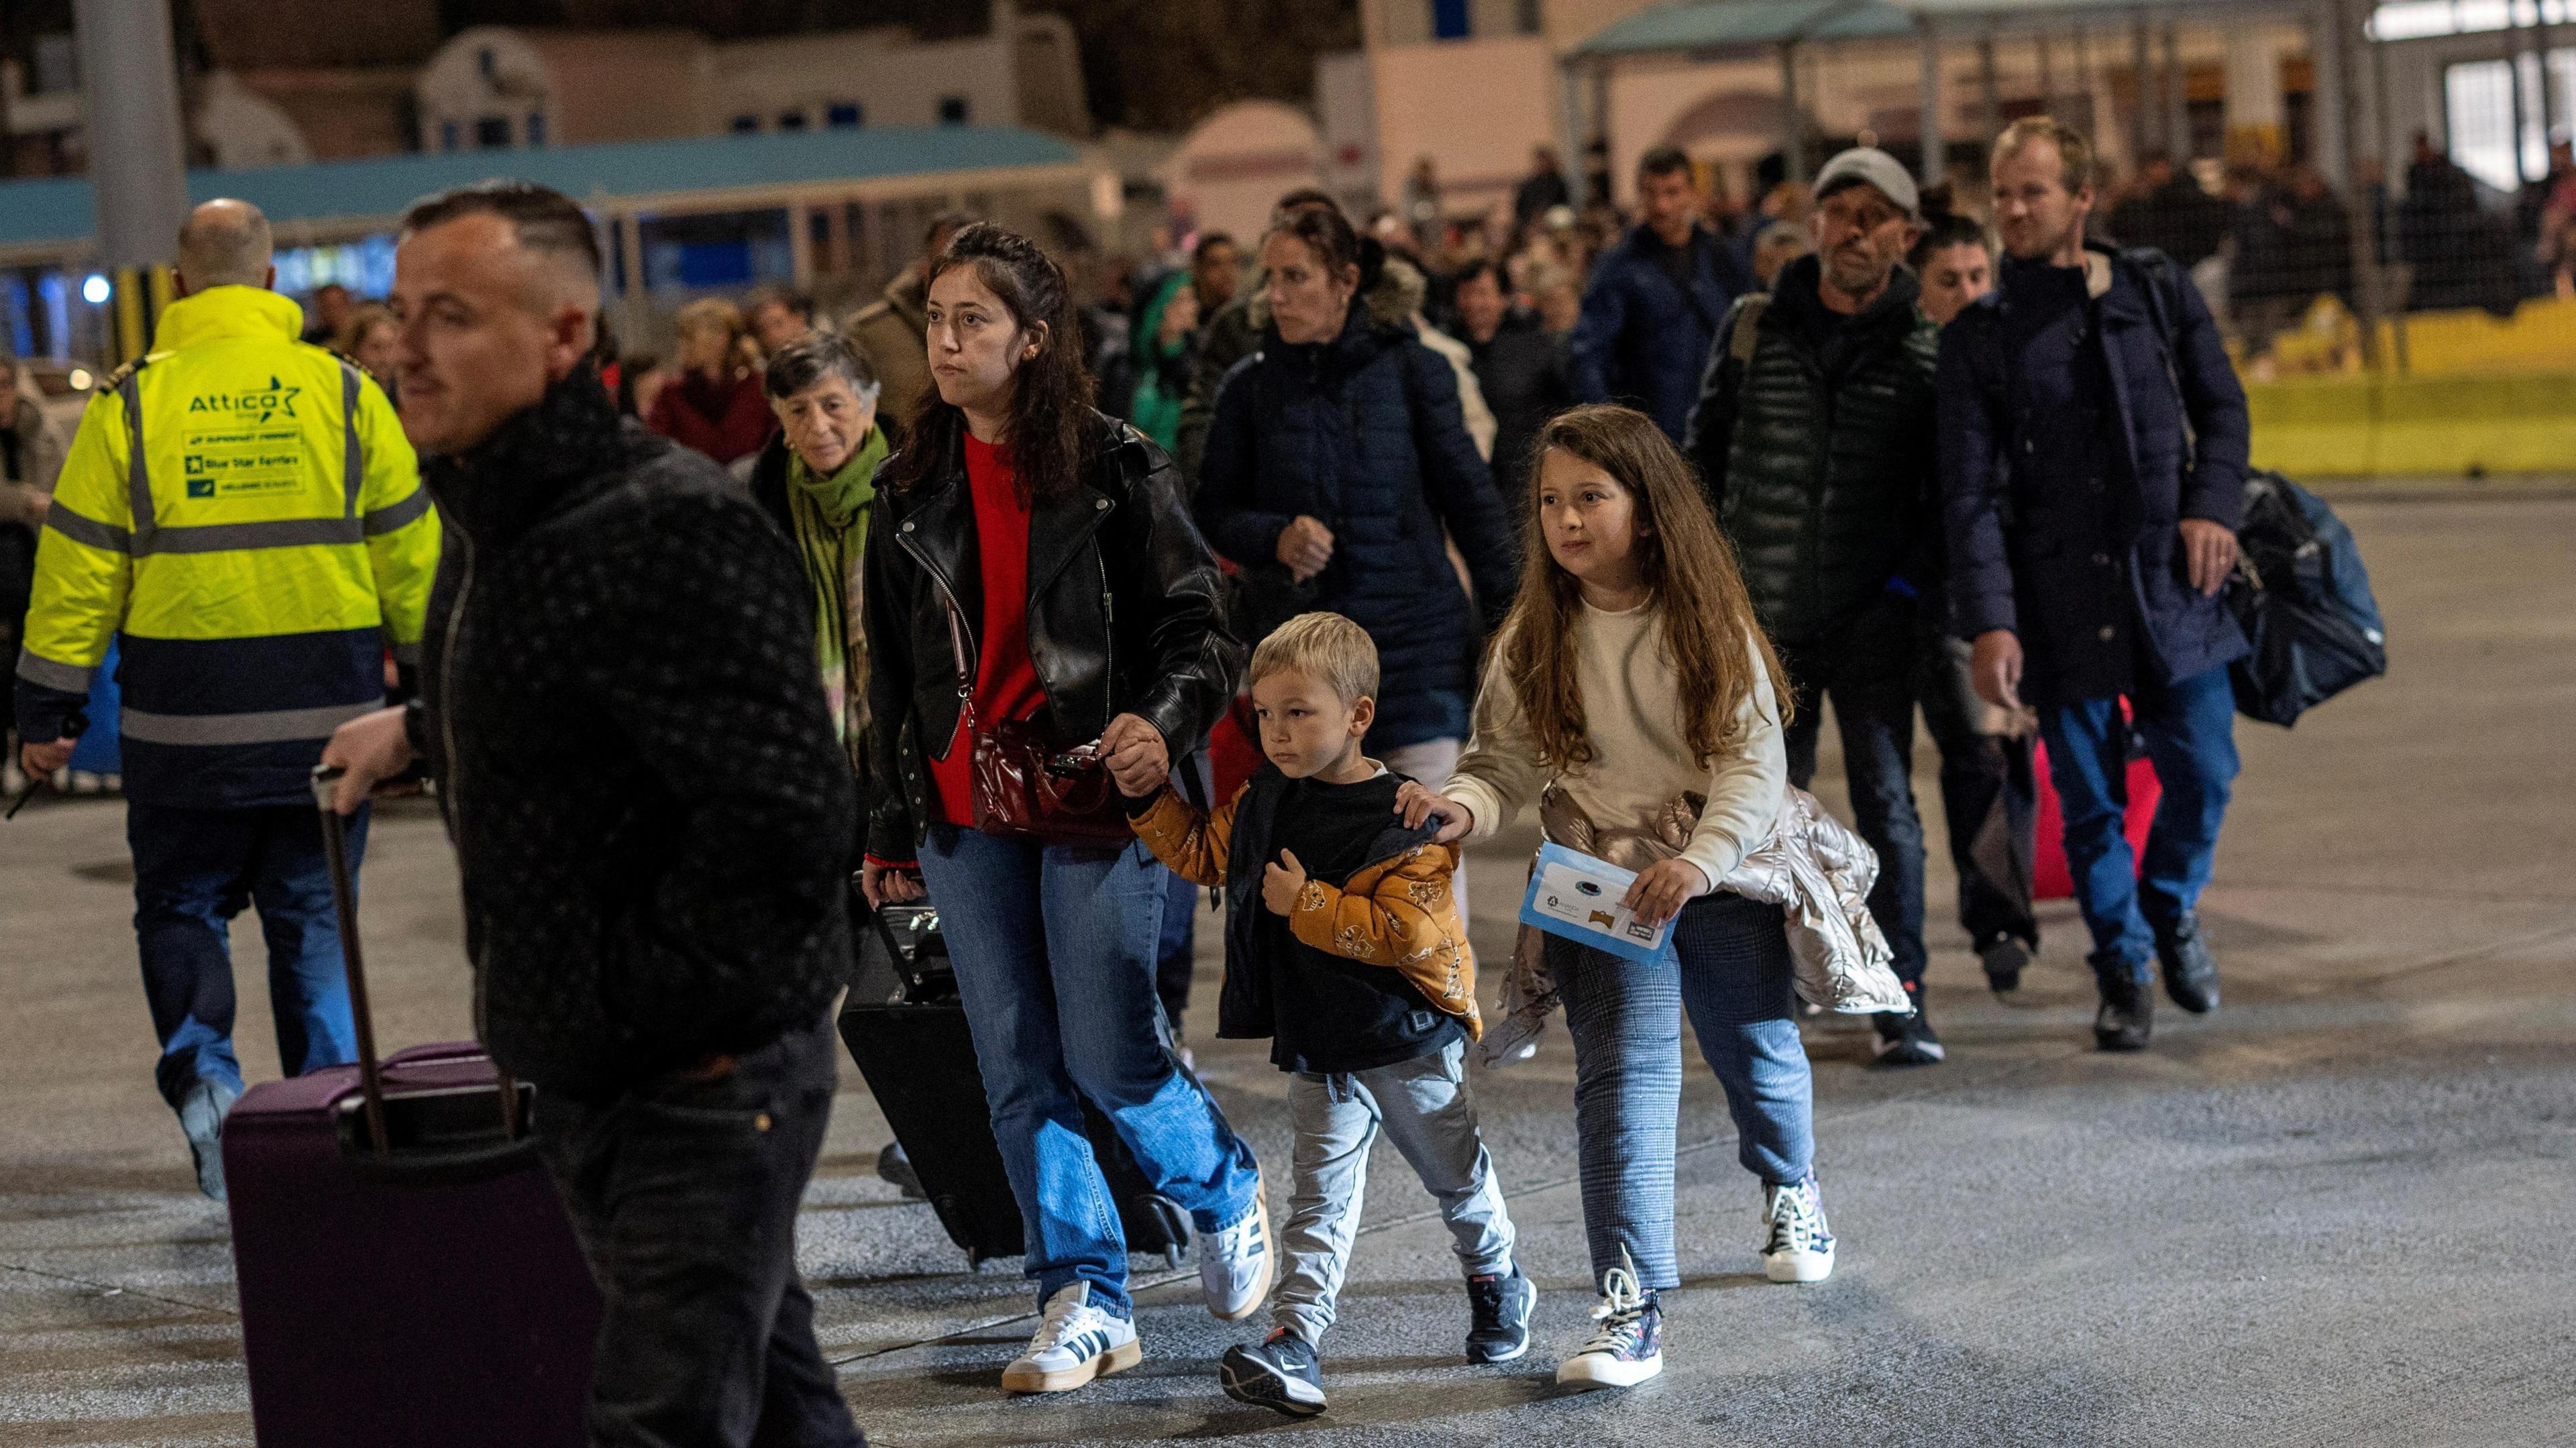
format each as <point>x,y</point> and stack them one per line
<point>652,820</point>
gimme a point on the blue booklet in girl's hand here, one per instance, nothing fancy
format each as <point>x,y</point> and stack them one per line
<point>1577,896</point>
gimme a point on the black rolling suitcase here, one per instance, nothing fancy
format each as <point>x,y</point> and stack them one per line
<point>907,1032</point>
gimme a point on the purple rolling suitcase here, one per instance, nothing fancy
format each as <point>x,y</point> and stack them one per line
<point>407,1275</point>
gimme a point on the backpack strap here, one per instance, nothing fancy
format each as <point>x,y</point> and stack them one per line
<point>2157,270</point>
<point>1744,334</point>
<point>2157,275</point>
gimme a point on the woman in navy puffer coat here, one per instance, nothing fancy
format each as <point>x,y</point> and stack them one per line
<point>1338,454</point>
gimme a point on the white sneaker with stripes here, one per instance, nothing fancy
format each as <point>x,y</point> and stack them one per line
<point>1075,1343</point>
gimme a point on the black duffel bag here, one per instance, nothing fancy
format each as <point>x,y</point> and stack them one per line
<point>2304,599</point>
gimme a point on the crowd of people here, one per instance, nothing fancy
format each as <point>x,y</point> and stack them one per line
<point>1447,545</point>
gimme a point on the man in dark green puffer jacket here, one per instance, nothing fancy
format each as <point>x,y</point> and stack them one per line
<point>1813,435</point>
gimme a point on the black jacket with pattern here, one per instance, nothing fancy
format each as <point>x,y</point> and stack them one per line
<point>1820,462</point>
<point>652,820</point>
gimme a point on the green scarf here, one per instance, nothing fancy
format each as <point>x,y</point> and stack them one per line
<point>830,515</point>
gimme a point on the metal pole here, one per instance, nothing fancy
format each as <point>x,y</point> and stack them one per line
<point>2142,134</point>
<point>2047,81</point>
<point>130,88</point>
<point>2388,152</point>
<point>2330,148</point>
<point>2548,107</point>
<point>2085,116</point>
<point>2356,196</point>
<point>1933,166</point>
<point>1793,126</point>
<point>1989,100</point>
<point>2513,72</point>
<point>2177,110</point>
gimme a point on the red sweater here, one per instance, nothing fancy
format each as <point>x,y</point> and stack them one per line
<point>1006,680</point>
<point>725,420</point>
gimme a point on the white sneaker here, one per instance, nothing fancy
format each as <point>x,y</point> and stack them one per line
<point>1800,1247</point>
<point>1235,1264</point>
<point>1075,1343</point>
<point>1628,1347</point>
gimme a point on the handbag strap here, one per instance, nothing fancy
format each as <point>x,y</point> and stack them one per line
<point>957,650</point>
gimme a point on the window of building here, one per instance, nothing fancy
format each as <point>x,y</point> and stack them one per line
<point>536,128</point>
<point>746,125</point>
<point>1525,17</point>
<point>844,114</point>
<point>1449,20</point>
<point>2479,114</point>
<point>952,110</point>
<point>487,64</point>
<point>447,134</point>
<point>791,120</point>
<point>492,132</point>
<point>715,250</point>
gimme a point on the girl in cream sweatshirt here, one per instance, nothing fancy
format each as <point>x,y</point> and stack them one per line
<point>1631,672</point>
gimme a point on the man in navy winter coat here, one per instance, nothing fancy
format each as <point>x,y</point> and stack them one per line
<point>2092,449</point>
<point>1656,301</point>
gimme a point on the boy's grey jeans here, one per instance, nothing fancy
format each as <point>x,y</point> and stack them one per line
<point>1427,1111</point>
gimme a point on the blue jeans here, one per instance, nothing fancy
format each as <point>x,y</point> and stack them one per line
<point>1727,964</point>
<point>194,870</point>
<point>2190,730</point>
<point>1054,948</point>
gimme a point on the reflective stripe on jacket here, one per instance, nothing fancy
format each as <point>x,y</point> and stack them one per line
<point>243,514</point>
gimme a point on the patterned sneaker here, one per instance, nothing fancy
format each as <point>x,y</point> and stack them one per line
<point>1235,1263</point>
<point>1075,1343</point>
<point>1628,1348</point>
<point>1800,1247</point>
<point>1280,1374</point>
<point>1501,1308</point>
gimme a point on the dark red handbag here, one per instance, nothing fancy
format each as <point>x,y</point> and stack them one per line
<point>1027,785</point>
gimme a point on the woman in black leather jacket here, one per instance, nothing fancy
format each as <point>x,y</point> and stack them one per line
<point>1027,542</point>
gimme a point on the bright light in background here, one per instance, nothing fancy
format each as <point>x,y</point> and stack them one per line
<point>95,290</point>
<point>80,379</point>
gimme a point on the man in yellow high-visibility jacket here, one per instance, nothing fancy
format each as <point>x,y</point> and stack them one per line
<point>242,515</point>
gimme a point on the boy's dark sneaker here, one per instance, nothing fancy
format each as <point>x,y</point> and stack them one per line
<point>1502,1307</point>
<point>2191,972</point>
<point>1905,1040</point>
<point>2004,960</point>
<point>1629,1346</point>
<point>2128,1013</point>
<point>1279,1373</point>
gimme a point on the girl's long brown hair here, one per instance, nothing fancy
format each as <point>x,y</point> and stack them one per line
<point>1717,647</point>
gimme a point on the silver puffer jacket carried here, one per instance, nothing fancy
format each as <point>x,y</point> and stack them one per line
<point>1812,866</point>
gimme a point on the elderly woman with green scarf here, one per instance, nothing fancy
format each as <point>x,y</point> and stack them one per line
<point>815,479</point>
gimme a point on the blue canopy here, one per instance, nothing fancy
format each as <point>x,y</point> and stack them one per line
<point>349,194</point>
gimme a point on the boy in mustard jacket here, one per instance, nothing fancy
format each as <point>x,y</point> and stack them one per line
<point>1344,947</point>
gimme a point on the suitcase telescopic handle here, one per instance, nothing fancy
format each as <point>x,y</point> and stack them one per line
<point>344,904</point>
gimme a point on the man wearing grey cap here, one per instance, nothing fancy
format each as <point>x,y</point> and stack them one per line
<point>1813,435</point>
